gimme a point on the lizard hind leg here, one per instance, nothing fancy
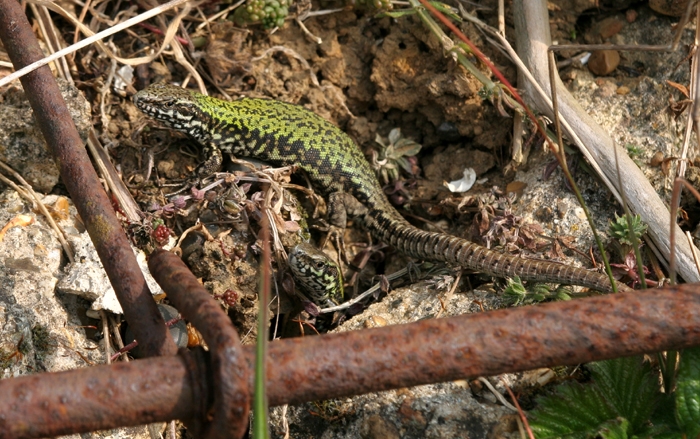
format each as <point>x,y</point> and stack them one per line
<point>341,205</point>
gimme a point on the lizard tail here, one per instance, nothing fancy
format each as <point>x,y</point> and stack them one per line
<point>451,249</point>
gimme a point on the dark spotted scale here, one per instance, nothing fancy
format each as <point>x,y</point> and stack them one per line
<point>285,134</point>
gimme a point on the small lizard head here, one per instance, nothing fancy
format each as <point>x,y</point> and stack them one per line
<point>319,275</point>
<point>173,106</point>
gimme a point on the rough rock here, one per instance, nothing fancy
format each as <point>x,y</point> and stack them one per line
<point>22,145</point>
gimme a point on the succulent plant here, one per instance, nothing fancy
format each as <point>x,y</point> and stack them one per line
<point>395,153</point>
<point>271,13</point>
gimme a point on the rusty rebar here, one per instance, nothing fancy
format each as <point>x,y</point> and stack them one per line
<point>82,183</point>
<point>336,365</point>
<point>228,416</point>
<point>490,343</point>
<point>95,398</point>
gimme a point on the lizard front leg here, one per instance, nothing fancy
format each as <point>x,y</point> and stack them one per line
<point>212,162</point>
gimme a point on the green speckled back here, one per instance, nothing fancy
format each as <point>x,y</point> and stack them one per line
<point>279,133</point>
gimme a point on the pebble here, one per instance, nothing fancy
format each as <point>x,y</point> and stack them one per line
<point>657,159</point>
<point>516,187</point>
<point>609,27</point>
<point>376,427</point>
<point>603,62</point>
<point>674,8</point>
<point>375,322</point>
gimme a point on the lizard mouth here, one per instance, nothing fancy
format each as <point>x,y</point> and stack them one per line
<point>145,107</point>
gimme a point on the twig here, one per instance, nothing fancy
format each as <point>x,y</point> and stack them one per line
<point>366,294</point>
<point>105,335</point>
<point>28,193</point>
<point>497,394</point>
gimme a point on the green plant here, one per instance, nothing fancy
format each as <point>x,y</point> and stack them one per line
<point>394,154</point>
<point>687,395</point>
<point>271,13</point>
<point>372,5</point>
<point>627,238</point>
<point>634,153</point>
<point>623,400</point>
<point>620,229</point>
<point>517,294</point>
<point>633,150</point>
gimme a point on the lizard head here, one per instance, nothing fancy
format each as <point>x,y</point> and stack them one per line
<point>173,106</point>
<point>318,275</point>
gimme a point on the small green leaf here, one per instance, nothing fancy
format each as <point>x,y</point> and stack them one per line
<point>688,392</point>
<point>614,429</point>
<point>442,7</point>
<point>562,295</point>
<point>629,385</point>
<point>394,135</point>
<point>538,297</point>
<point>660,429</point>
<point>575,411</point>
<point>405,164</point>
<point>542,289</point>
<point>406,147</point>
<point>616,405</point>
<point>447,10</point>
<point>633,150</point>
<point>397,14</point>
<point>665,412</point>
<point>515,291</point>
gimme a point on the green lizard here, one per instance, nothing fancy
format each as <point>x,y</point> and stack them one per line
<point>286,134</point>
<point>318,275</point>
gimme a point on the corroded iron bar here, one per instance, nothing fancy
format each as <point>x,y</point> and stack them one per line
<point>336,365</point>
<point>228,416</point>
<point>490,343</point>
<point>95,398</point>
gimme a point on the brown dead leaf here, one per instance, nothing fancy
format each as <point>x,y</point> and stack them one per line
<point>516,187</point>
<point>555,252</point>
<point>680,87</point>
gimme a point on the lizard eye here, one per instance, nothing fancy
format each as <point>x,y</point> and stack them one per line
<point>318,264</point>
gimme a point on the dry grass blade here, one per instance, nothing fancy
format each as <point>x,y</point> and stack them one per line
<point>28,193</point>
<point>90,40</point>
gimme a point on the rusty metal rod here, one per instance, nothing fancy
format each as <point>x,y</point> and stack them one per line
<point>227,417</point>
<point>95,398</point>
<point>336,365</point>
<point>491,343</point>
<point>83,185</point>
